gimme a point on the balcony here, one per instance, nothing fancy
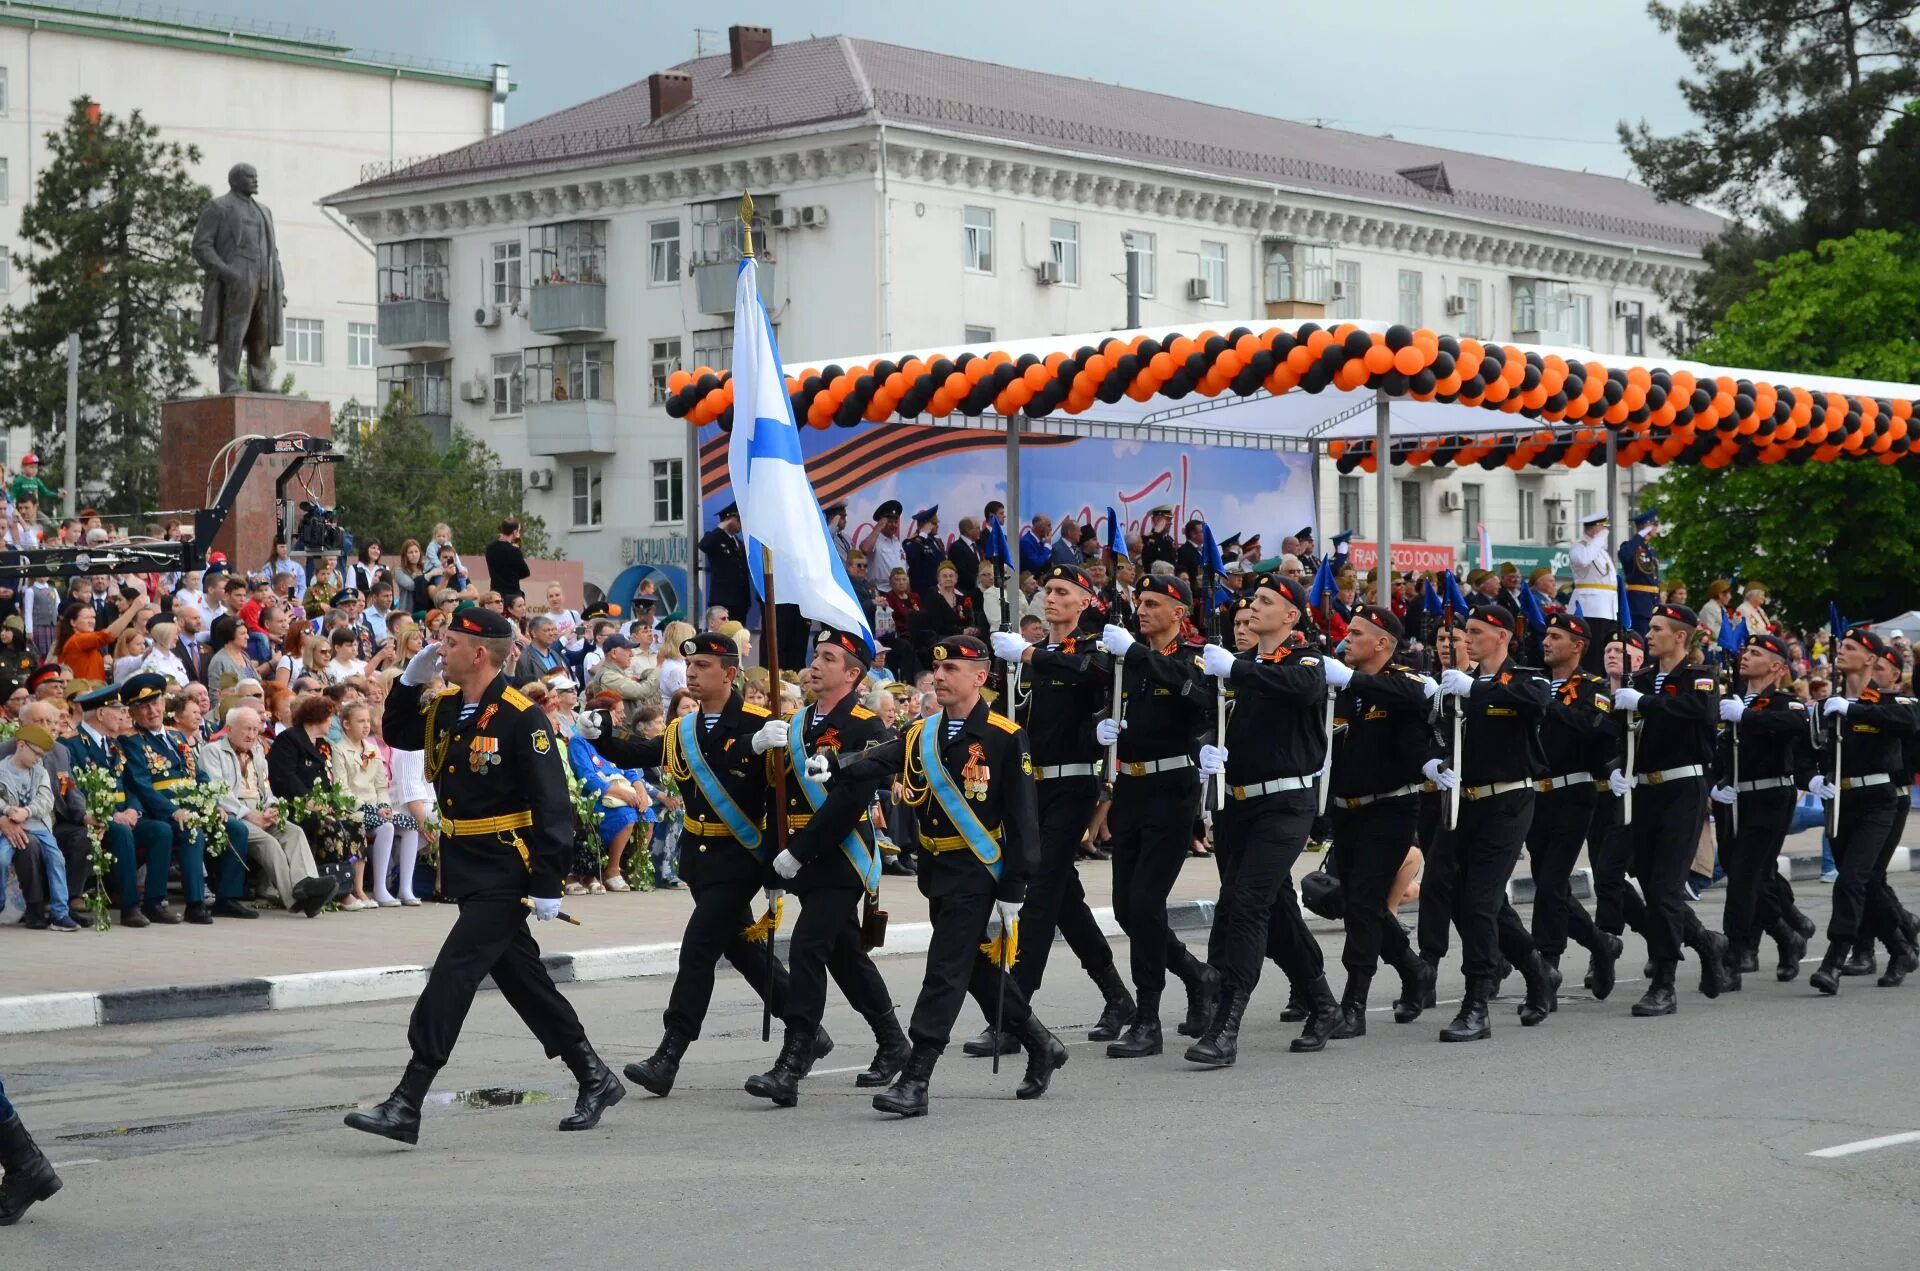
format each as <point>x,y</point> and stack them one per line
<point>569,399</point>
<point>413,294</point>
<point>428,390</point>
<point>568,308</point>
<point>569,278</point>
<point>713,283</point>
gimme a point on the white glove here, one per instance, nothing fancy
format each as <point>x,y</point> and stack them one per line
<point>1009,911</point>
<point>1116,640</point>
<point>1456,683</point>
<point>1820,788</point>
<point>587,724</point>
<point>1217,661</point>
<point>1618,783</point>
<point>1213,760</point>
<point>546,908</point>
<point>786,864</point>
<point>1008,646</point>
<point>1428,685</point>
<point>820,768</point>
<point>1626,699</point>
<point>772,736</point>
<point>1445,778</point>
<point>1338,673</point>
<point>1731,709</point>
<point>422,667</point>
<point>1723,794</point>
<point>1107,731</point>
<point>774,894</point>
<point>1836,705</point>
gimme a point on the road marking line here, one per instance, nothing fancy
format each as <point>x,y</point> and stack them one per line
<point>89,1160</point>
<point>834,1072</point>
<point>1868,1145</point>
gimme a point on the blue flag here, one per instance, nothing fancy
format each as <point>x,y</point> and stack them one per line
<point>1323,586</point>
<point>1530,608</point>
<point>1456,597</point>
<point>1834,620</point>
<point>1626,613</point>
<point>1431,602</point>
<point>1578,612</point>
<point>996,544</point>
<point>1115,543</point>
<point>1213,558</point>
<point>1730,634</point>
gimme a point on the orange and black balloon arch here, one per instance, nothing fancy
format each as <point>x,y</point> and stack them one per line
<point>1661,416</point>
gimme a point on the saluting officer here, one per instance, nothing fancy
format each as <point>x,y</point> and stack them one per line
<point>128,837</point>
<point>1156,539</point>
<point>1640,570</point>
<point>968,773</point>
<point>506,838</point>
<point>158,764</point>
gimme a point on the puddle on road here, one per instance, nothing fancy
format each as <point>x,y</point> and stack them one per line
<point>487,1097</point>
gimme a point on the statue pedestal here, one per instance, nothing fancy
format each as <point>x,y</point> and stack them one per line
<point>192,432</point>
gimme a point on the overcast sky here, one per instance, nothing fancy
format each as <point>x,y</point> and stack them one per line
<point>1543,82</point>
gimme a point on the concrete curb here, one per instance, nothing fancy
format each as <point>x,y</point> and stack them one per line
<point>51,1012</point>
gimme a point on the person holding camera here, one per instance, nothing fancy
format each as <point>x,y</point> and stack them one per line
<point>81,643</point>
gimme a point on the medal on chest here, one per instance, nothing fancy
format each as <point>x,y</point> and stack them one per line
<point>976,776</point>
<point>483,753</point>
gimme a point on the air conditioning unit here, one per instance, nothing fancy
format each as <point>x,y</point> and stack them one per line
<point>1336,291</point>
<point>1456,305</point>
<point>477,389</point>
<point>488,315</point>
<point>540,479</point>
<point>1199,289</point>
<point>783,218</point>
<point>1452,501</point>
<point>1048,272</point>
<point>1559,520</point>
<point>1622,308</point>
<point>814,215</point>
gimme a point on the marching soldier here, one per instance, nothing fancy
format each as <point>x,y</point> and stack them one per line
<point>1886,677</point>
<point>1640,569</point>
<point>159,762</point>
<point>1616,905</point>
<point>506,839</point>
<point>831,862</point>
<point>968,772</point>
<point>1677,703</point>
<point>128,837</point>
<point>26,1175</point>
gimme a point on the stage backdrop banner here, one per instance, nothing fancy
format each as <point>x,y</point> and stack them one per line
<point>1238,491</point>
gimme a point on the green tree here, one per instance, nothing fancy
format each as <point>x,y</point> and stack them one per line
<point>394,484</point>
<point>110,224</point>
<point>1848,531</point>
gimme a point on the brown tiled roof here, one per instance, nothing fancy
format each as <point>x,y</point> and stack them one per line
<point>820,82</point>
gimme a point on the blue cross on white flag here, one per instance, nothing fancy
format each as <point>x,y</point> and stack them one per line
<point>770,486</point>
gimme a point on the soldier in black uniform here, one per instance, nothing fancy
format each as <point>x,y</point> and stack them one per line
<point>1067,685</point>
<point>1578,739</point>
<point>1767,726</point>
<point>831,863</point>
<point>506,834</point>
<point>1616,905</point>
<point>1167,714</point>
<point>1500,759</point>
<point>1383,734</point>
<point>1276,742</point>
<point>979,844</point>
<point>1881,900</point>
<point>729,581</point>
<point>1678,705</point>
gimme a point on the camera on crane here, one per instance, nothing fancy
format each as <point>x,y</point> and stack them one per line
<point>318,530</point>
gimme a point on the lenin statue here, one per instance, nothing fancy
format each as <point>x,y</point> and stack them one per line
<point>245,297</point>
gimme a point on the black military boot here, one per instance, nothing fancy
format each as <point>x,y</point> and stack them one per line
<point>1749,960</point>
<point>1296,1008</point>
<point>1142,1037</point>
<point>1430,1000</point>
<point>1046,1055</point>
<point>1119,1007</point>
<point>908,1095</point>
<point>1862,961</point>
<point>1800,922</point>
<point>656,1072</point>
<point>1322,1019</point>
<point>1711,948</point>
<point>1353,1007</point>
<point>1416,986</point>
<point>1603,962</point>
<point>822,1047</point>
<point>1909,925</point>
<point>1219,1046</point>
<point>1203,992</point>
<point>1900,963</point>
<point>29,1174</point>
<point>1658,999</point>
<point>1793,947</point>
<point>1543,989</point>
<point>1730,971</point>
<point>1827,977</point>
<point>890,1054</point>
<point>397,1117</point>
<point>781,1083</point>
<point>980,1045</point>
<point>1472,1024</point>
<point>599,1088</point>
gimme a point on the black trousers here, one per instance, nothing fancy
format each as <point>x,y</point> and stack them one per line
<point>1486,848</point>
<point>960,901</point>
<point>1436,877</point>
<point>826,940</point>
<point>721,912</point>
<point>1866,826</point>
<point>1750,859</point>
<point>1554,840</point>
<point>1369,845</point>
<point>1257,841</point>
<point>1616,905</point>
<point>490,937</point>
<point>1055,899</point>
<point>1667,821</point>
<point>1883,907</point>
<point>1152,824</point>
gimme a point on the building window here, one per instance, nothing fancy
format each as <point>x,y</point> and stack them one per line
<point>506,272</point>
<point>306,342</point>
<point>428,385</point>
<point>1063,240</point>
<point>1529,515</point>
<point>360,341</point>
<point>586,496</point>
<point>1349,503</point>
<point>1411,281</point>
<point>415,269</point>
<point>354,418</point>
<point>1583,321</point>
<point>663,253</point>
<point>1636,328</point>
<point>1470,306</point>
<point>978,222</point>
<point>5,187</point>
<point>509,386</point>
<point>669,498</point>
<point>1583,504</point>
<point>1346,277</point>
<point>570,373</point>
<point>1543,310</point>
<point>569,252</point>
<point>977,335</point>
<point>713,348</point>
<point>1144,250</point>
<point>1278,277</point>
<point>663,360</point>
<point>1411,526</point>
<point>1213,270</point>
<point>716,230</point>
<point>1472,505</point>
<point>3,90</point>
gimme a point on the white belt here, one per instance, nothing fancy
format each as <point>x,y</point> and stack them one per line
<point>1275,786</point>
<point>1570,779</point>
<point>1498,787</point>
<point>1871,779</point>
<point>1668,774</point>
<point>1767,783</point>
<point>1362,800</point>
<point>1151,766</point>
<point>1065,770</point>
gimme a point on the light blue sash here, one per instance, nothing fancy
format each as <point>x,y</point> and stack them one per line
<point>865,861</point>
<point>952,802</point>
<point>710,788</point>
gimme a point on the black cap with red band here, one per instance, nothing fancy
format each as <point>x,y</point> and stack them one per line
<point>848,643</point>
<point>710,644</point>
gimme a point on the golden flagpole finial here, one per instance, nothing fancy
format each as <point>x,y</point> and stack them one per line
<point>746,225</point>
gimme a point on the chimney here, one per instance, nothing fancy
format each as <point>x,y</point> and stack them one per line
<point>668,91</point>
<point>747,43</point>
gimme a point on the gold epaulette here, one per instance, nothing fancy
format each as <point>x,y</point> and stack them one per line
<point>515,698</point>
<point>1001,722</point>
<point>861,712</point>
<point>758,712</point>
<point>431,700</point>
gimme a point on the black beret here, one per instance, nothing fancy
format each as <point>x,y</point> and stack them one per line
<point>1629,636</point>
<point>960,649</point>
<point>890,508</point>
<point>1168,585</point>
<point>1070,574</point>
<point>1571,623</point>
<point>1288,587</point>
<point>1494,616</point>
<point>1379,617</point>
<point>1677,613</point>
<point>1873,643</point>
<point>483,624</point>
<point>710,644</point>
<point>1771,643</point>
<point>848,643</point>
<point>143,688</point>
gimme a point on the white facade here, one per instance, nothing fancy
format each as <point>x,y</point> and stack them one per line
<point>309,115</point>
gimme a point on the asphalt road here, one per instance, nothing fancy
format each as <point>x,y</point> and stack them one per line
<point>1594,1141</point>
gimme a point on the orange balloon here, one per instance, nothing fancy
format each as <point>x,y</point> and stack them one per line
<point>1409,361</point>
<point>1378,360</point>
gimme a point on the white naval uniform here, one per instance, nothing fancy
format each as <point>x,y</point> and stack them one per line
<point>1596,589</point>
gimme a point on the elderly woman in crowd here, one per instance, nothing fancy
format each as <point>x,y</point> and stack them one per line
<point>163,655</point>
